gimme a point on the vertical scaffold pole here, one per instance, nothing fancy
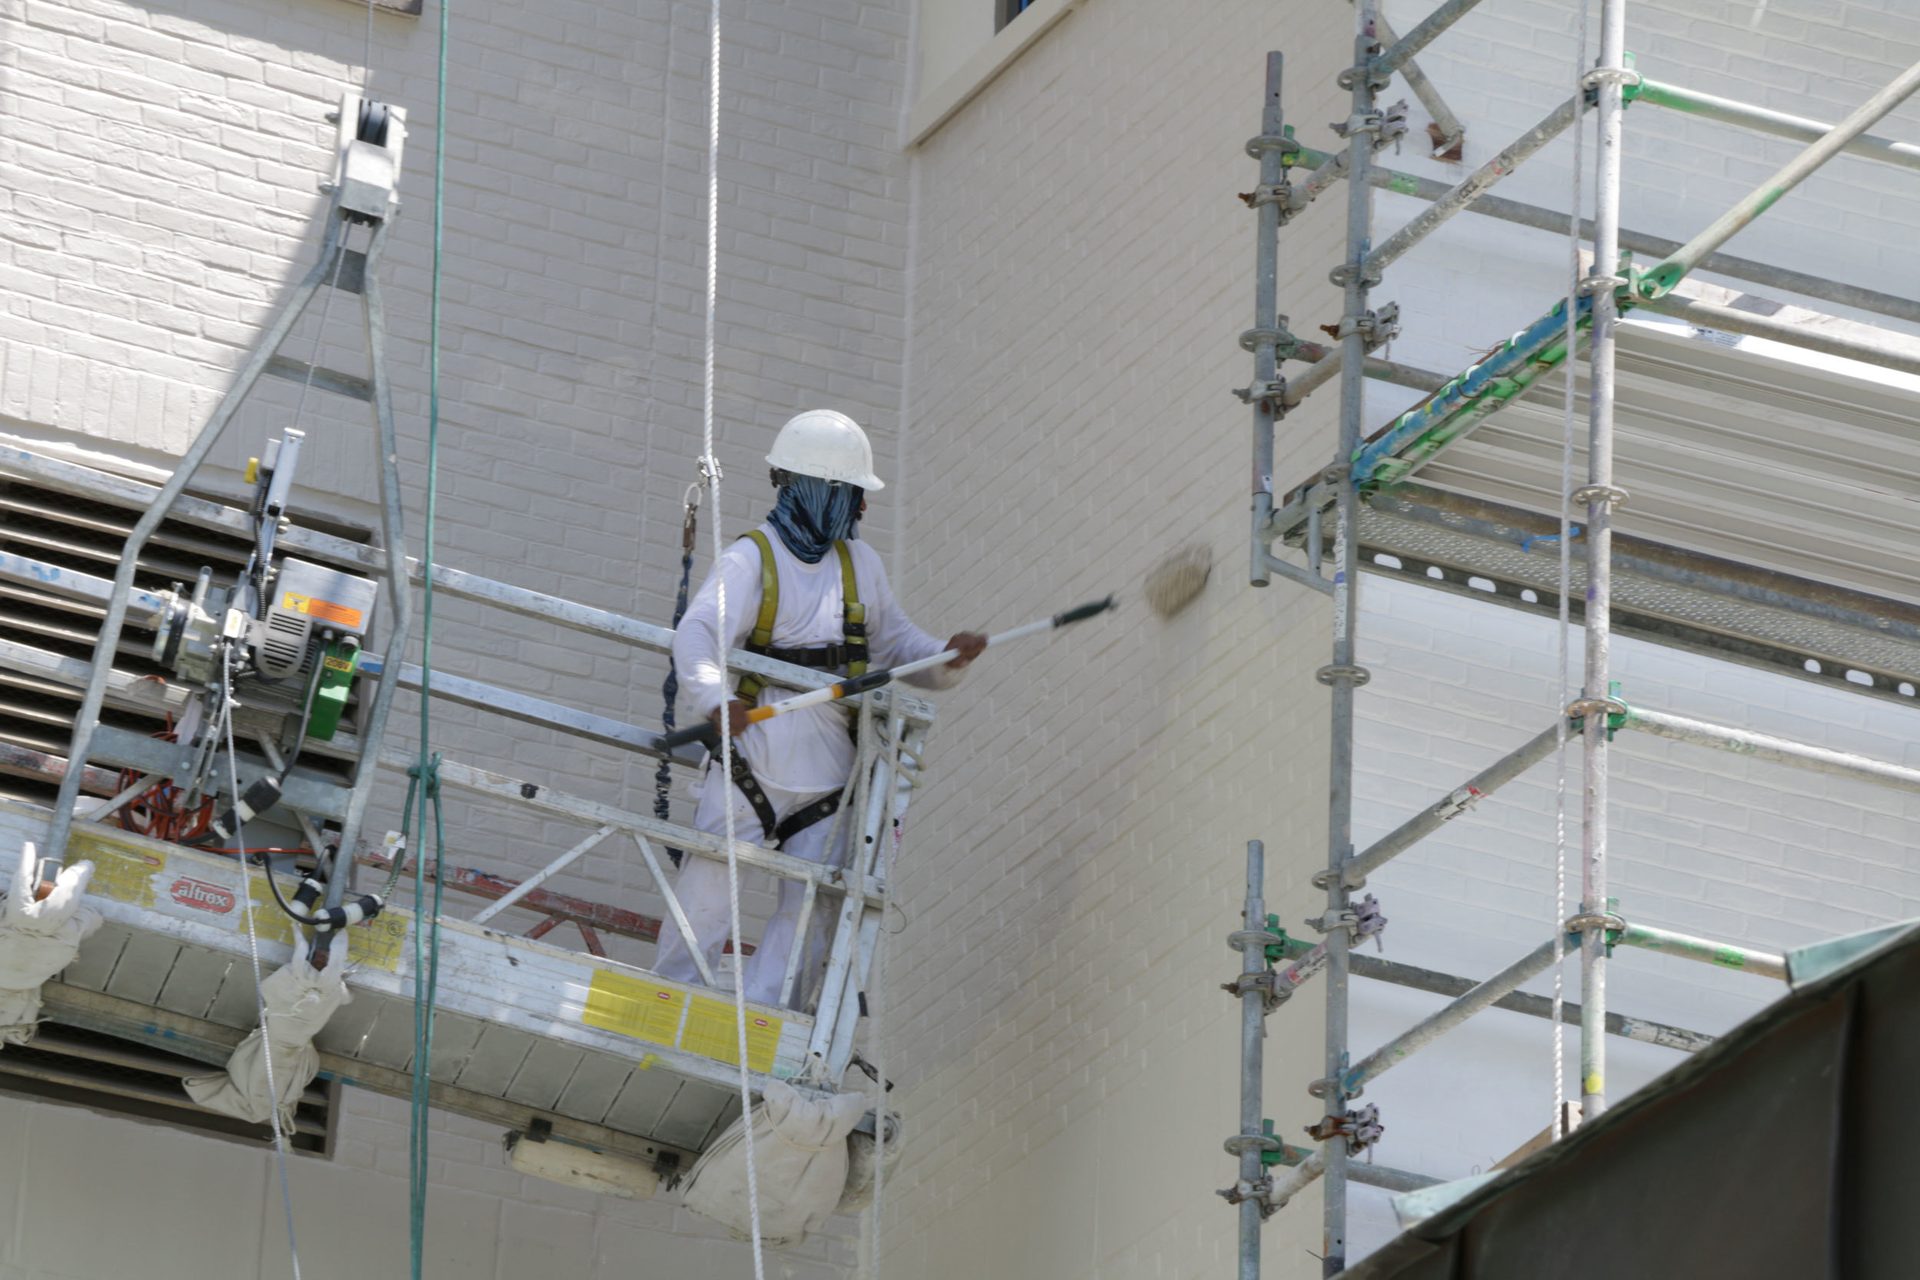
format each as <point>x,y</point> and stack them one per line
<point>1343,675</point>
<point>1269,148</point>
<point>1600,496</point>
<point>1253,1017</point>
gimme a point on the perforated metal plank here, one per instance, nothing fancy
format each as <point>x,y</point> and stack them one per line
<point>196,981</point>
<point>596,1084</point>
<point>544,1076</point>
<point>495,1060</point>
<point>144,965</point>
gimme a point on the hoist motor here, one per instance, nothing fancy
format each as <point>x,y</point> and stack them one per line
<point>291,625</point>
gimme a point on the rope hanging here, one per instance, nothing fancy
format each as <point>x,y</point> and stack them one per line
<point>710,467</point>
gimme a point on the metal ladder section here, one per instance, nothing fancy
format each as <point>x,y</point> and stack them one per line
<point>609,1053</point>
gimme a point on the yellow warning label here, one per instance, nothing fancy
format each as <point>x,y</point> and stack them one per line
<point>629,1007</point>
<point>123,872</point>
<point>713,1033</point>
<point>325,610</point>
<point>332,663</point>
<point>377,944</point>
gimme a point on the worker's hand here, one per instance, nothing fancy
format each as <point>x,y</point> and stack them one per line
<point>737,722</point>
<point>971,645</point>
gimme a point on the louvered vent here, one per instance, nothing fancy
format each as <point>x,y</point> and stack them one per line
<point>88,535</point>
<point>86,1068</point>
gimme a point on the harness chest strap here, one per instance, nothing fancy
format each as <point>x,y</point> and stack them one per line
<point>850,653</point>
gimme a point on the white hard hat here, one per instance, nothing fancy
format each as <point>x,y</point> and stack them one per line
<point>828,444</point>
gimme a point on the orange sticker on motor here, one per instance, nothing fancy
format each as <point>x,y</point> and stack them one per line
<point>324,610</point>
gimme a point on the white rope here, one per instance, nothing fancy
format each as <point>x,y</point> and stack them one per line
<point>1563,692</point>
<point>253,951</point>
<point>712,464</point>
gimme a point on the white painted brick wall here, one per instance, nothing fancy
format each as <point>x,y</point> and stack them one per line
<point>158,175</point>
<point>1082,273</point>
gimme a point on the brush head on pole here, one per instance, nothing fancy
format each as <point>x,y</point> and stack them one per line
<point>1176,580</point>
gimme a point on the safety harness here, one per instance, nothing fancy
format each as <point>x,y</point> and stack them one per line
<point>850,653</point>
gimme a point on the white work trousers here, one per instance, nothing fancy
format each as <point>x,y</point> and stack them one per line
<point>702,889</point>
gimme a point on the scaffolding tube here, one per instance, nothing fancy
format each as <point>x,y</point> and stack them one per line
<point>1762,746</point>
<point>1423,35</point>
<point>1470,188</point>
<point>1724,955</point>
<point>1327,169</point>
<point>1367,1174</point>
<point>1662,278</point>
<point>1327,368</point>
<point>1600,495</point>
<point>1343,675</point>
<point>1707,315</point>
<point>1778,123</point>
<point>1450,806</point>
<point>1424,1033</point>
<point>1251,942</point>
<point>1265,336</point>
<point>1642,1030</point>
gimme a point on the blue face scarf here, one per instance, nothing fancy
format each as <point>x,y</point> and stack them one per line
<point>812,514</point>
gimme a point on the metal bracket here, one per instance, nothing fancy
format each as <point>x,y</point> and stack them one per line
<point>1386,126</point>
<point>1242,1191</point>
<point>1589,494</point>
<point>1271,395</point>
<point>1343,671</point>
<point>1271,997</point>
<point>1376,327</point>
<point>1285,345</point>
<point>1279,193</point>
<point>1361,920</point>
<point>1458,802</point>
<point>1361,1129</point>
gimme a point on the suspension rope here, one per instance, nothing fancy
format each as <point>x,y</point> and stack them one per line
<point>425,774</point>
<point>710,464</point>
<point>227,705</point>
<point>1563,691</point>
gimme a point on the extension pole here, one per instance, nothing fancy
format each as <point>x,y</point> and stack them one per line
<point>1663,277</point>
<point>887,675</point>
<point>1270,147</point>
<point>1343,675</point>
<point>1600,495</point>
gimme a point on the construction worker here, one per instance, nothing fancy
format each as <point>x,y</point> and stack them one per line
<point>801,588</point>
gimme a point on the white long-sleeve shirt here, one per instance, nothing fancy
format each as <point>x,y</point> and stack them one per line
<point>806,750</point>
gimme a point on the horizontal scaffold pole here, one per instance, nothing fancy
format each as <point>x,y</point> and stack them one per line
<point>1327,169</point>
<point>1643,1030</point>
<point>1763,746</point>
<point>1724,955</point>
<point>1425,1032</point>
<point>1895,351</point>
<point>1450,806</point>
<point>1707,106</point>
<point>1678,265</point>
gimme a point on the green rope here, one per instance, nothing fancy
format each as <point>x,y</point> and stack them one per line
<point>425,785</point>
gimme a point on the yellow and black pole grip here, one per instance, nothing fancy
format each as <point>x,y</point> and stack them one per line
<point>344,916</point>
<point>705,731</point>
<point>256,799</point>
